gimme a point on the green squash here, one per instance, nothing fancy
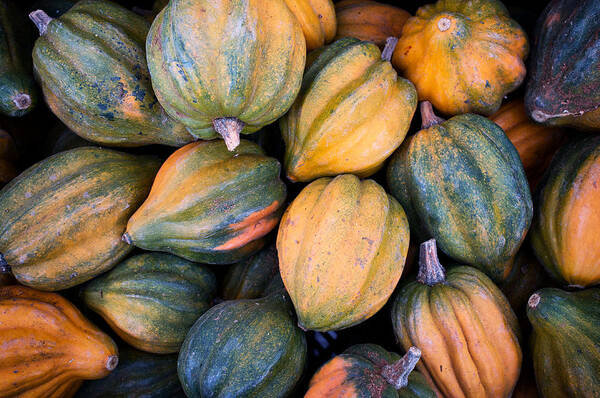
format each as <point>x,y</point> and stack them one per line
<point>243,348</point>
<point>138,375</point>
<point>152,300</point>
<point>566,342</point>
<point>91,64</point>
<point>461,182</point>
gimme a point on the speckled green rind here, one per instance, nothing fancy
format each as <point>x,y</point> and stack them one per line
<point>566,342</point>
<point>462,183</point>
<point>91,64</point>
<point>243,348</point>
<point>15,71</point>
<point>54,8</point>
<point>151,300</point>
<point>62,219</point>
<point>138,375</point>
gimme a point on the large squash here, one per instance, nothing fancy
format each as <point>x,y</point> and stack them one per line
<point>226,67</point>
<point>8,157</point>
<point>210,205</point>
<point>151,300</point>
<point>63,217</point>
<point>466,331</point>
<point>48,347</point>
<point>461,181</point>
<point>352,113</point>
<point>564,84</point>
<point>317,19</point>
<point>463,56</point>
<point>342,245</point>
<point>91,64</point>
<point>566,226</point>
<point>249,348</point>
<point>566,342</point>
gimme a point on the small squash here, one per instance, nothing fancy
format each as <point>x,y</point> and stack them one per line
<point>369,20</point>
<point>566,226</point>
<point>151,300</point>
<point>249,348</point>
<point>210,205</point>
<point>461,181</point>
<point>463,56</point>
<point>48,347</point>
<point>462,323</point>
<point>352,113</point>
<point>226,67</point>
<point>566,342</point>
<point>8,157</point>
<point>369,371</point>
<point>91,64</point>
<point>564,84</point>
<point>317,19</point>
<point>63,217</point>
<point>342,245</point>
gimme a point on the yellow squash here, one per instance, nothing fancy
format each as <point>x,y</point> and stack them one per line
<point>317,19</point>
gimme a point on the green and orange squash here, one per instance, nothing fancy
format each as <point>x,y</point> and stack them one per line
<point>342,245</point>
<point>226,67</point>
<point>151,300</point>
<point>8,157</point>
<point>317,19</point>
<point>209,204</point>
<point>63,218</point>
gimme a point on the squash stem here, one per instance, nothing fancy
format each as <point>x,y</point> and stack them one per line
<point>126,238</point>
<point>41,20</point>
<point>390,45</point>
<point>428,117</point>
<point>431,271</point>
<point>112,362</point>
<point>229,128</point>
<point>22,101</point>
<point>397,373</point>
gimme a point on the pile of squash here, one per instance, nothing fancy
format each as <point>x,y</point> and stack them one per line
<point>239,198</point>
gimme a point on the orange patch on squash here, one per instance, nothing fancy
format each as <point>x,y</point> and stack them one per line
<point>255,226</point>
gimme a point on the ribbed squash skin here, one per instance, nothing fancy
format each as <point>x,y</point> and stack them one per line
<point>566,226</point>
<point>151,300</point>
<point>463,56</point>
<point>564,85</point>
<point>139,375</point>
<point>566,342</point>
<point>245,61</point>
<point>8,156</point>
<point>352,113</point>
<point>357,373</point>
<point>63,217</point>
<point>317,19</point>
<point>18,93</point>
<point>211,205</point>
<point>369,20</point>
<point>91,64</point>
<point>342,245</point>
<point>535,143</point>
<point>256,341</point>
<point>462,183</point>
<point>48,347</point>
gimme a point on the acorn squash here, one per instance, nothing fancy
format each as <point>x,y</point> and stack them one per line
<point>462,323</point>
<point>151,300</point>
<point>352,113</point>
<point>8,157</point>
<point>226,67</point>
<point>566,227</point>
<point>342,245</point>
<point>463,56</point>
<point>461,181</point>
<point>63,217</point>
<point>210,205</point>
<point>317,19</point>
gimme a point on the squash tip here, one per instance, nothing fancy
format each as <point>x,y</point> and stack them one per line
<point>428,116</point>
<point>41,20</point>
<point>390,45</point>
<point>431,272</point>
<point>22,101</point>
<point>127,238</point>
<point>230,129</point>
<point>533,301</point>
<point>397,373</point>
<point>112,362</point>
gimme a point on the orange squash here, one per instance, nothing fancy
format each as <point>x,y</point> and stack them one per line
<point>8,156</point>
<point>48,347</point>
<point>369,20</point>
<point>463,56</point>
<point>317,19</point>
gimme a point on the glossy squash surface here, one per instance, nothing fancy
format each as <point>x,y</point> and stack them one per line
<point>317,19</point>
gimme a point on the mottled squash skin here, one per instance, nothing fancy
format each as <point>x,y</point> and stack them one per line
<point>342,245</point>
<point>91,64</point>
<point>240,60</point>
<point>317,19</point>
<point>566,342</point>
<point>151,300</point>
<point>256,341</point>
<point>211,205</point>
<point>63,217</point>
<point>564,84</point>
<point>48,347</point>
<point>463,56</point>
<point>352,113</point>
<point>566,226</point>
<point>8,157</point>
